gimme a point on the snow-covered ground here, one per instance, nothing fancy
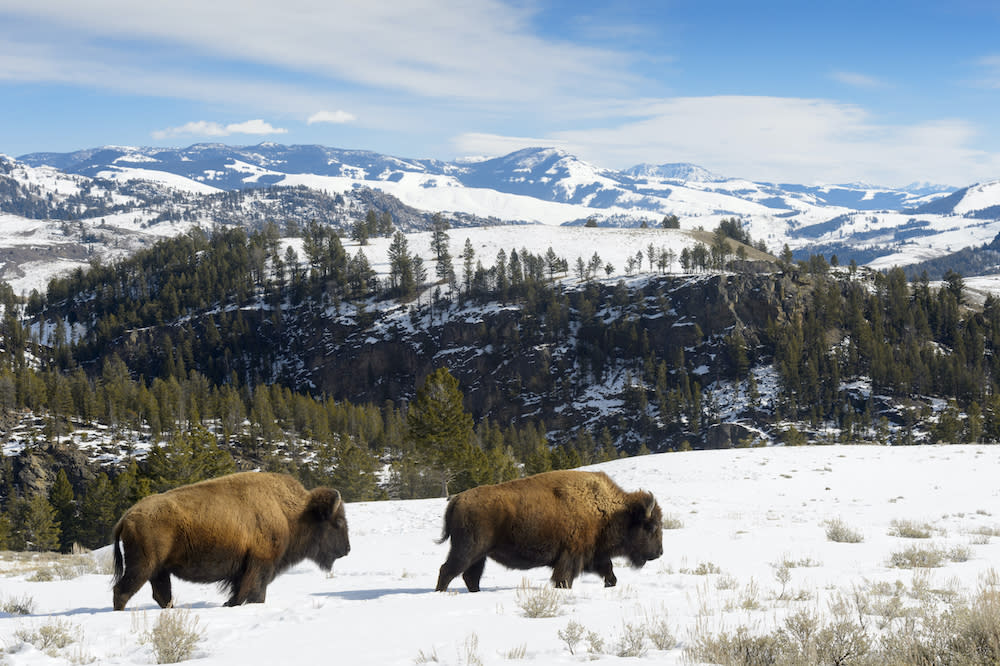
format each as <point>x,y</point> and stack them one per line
<point>743,515</point>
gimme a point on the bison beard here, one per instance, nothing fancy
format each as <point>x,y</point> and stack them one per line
<point>240,530</point>
<point>568,520</point>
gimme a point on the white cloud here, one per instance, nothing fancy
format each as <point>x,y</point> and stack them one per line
<point>776,139</point>
<point>256,126</point>
<point>430,48</point>
<point>991,64</point>
<point>213,129</point>
<point>335,117</point>
<point>493,145</point>
<point>857,80</point>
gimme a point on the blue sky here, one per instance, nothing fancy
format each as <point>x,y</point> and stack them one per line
<point>885,92</point>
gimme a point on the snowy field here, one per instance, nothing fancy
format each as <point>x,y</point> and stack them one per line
<point>749,547</point>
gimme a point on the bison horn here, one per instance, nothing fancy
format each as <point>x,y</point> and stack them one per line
<point>650,505</point>
<point>323,502</point>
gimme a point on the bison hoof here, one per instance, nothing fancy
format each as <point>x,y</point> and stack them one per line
<point>610,582</point>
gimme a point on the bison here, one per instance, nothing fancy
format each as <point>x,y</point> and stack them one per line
<point>569,520</point>
<point>240,531</point>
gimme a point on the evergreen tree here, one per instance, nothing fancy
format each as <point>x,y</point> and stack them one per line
<point>97,512</point>
<point>354,474</point>
<point>63,502</point>
<point>468,268</point>
<point>190,456</point>
<point>439,428</point>
<point>403,271</point>
<point>33,525</point>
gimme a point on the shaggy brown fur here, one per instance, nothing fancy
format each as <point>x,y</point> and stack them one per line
<point>240,530</point>
<point>568,520</point>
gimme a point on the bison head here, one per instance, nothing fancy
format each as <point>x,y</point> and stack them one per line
<point>328,538</point>
<point>644,539</point>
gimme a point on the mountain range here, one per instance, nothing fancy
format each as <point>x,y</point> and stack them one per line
<point>139,189</point>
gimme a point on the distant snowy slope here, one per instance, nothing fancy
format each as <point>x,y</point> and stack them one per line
<point>856,221</point>
<point>682,171</point>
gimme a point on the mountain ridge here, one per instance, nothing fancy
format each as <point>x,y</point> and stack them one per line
<point>862,222</point>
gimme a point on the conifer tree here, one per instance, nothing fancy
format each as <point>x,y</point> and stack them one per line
<point>63,502</point>
<point>190,456</point>
<point>439,427</point>
<point>354,474</point>
<point>34,525</point>
<point>97,512</point>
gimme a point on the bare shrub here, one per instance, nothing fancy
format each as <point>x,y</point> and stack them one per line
<point>909,529</point>
<point>539,601</point>
<point>959,553</point>
<point>426,657</point>
<point>976,631</point>
<point>738,647</point>
<point>174,636</point>
<point>52,636</point>
<point>727,582</point>
<point>658,631</point>
<point>516,653</point>
<point>632,642</point>
<point>672,522</point>
<point>23,605</point>
<point>839,532</point>
<point>917,556</point>
<point>703,569</point>
<point>595,644</point>
<point>572,635</point>
<point>470,651</point>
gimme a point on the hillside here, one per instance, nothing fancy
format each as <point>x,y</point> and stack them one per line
<point>872,225</point>
<point>689,349</point>
<point>749,545</point>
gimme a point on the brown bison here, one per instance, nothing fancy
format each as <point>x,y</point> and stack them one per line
<point>240,531</point>
<point>568,520</point>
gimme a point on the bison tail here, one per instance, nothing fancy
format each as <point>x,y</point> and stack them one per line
<point>119,564</point>
<point>446,528</point>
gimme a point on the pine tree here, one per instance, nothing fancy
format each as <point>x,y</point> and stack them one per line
<point>63,502</point>
<point>97,512</point>
<point>190,456</point>
<point>354,474</point>
<point>439,427</point>
<point>33,525</point>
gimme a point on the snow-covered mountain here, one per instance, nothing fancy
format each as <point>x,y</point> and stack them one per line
<point>683,171</point>
<point>543,174</point>
<point>867,223</point>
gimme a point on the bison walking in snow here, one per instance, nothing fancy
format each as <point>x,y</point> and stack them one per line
<point>240,530</point>
<point>571,521</point>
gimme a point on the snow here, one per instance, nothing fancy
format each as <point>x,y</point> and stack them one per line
<point>177,182</point>
<point>978,197</point>
<point>614,246</point>
<point>742,512</point>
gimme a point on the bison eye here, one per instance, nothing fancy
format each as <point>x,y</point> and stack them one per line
<point>339,523</point>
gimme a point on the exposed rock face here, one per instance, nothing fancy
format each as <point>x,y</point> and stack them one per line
<point>34,470</point>
<point>728,436</point>
<point>513,363</point>
<point>581,358</point>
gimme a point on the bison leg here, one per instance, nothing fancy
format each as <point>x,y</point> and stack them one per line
<point>455,565</point>
<point>251,587</point>
<point>162,593</point>
<point>135,576</point>
<point>607,570</point>
<point>473,574</point>
<point>565,570</point>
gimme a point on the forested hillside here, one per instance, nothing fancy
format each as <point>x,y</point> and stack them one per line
<point>226,349</point>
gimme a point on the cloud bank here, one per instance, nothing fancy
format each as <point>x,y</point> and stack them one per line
<point>212,129</point>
